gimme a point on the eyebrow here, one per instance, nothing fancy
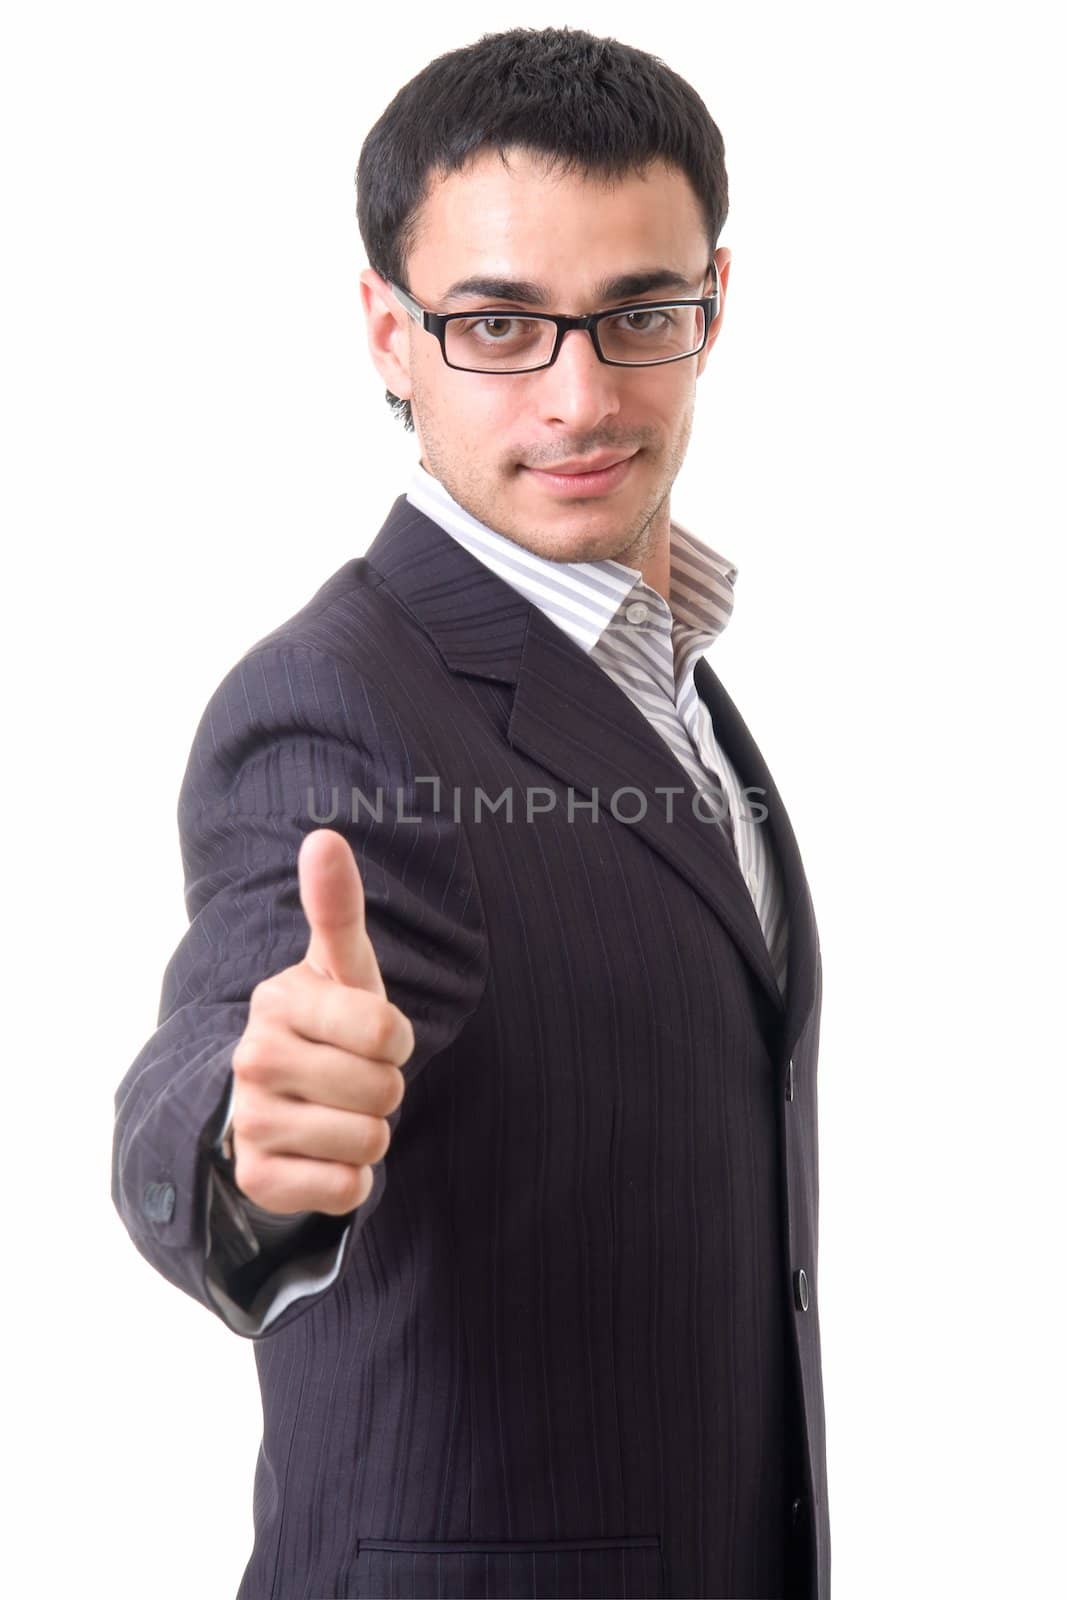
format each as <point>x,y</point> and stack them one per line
<point>623,287</point>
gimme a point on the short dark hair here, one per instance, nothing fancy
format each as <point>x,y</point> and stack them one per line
<point>589,104</point>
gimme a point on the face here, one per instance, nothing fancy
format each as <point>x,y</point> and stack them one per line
<point>491,438</point>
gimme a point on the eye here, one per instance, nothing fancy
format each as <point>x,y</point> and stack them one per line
<point>630,321</point>
<point>500,325</point>
<point>493,328</point>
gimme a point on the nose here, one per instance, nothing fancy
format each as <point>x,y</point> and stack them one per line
<point>578,389</point>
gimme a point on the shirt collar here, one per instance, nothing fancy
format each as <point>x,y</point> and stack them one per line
<point>584,597</point>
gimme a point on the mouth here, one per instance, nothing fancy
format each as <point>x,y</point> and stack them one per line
<point>570,484</point>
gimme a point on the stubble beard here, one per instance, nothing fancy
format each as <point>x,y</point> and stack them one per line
<point>632,546</point>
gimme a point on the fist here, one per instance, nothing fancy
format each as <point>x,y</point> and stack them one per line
<point>317,1069</point>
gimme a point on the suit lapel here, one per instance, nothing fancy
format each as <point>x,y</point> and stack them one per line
<point>570,717</point>
<point>733,735</point>
<point>573,720</point>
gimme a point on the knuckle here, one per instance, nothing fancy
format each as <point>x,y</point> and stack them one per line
<point>251,1058</point>
<point>245,1052</point>
<point>259,999</point>
<point>252,1124</point>
<point>351,1186</point>
<point>270,997</point>
<point>250,1174</point>
<point>405,1036</point>
<point>379,1029</point>
<point>378,1139</point>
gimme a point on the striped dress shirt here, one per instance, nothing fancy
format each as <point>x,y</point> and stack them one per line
<point>649,645</point>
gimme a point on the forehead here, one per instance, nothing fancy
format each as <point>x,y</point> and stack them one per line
<point>527,220</point>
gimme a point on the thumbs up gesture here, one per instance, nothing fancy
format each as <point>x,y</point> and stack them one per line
<point>317,1069</point>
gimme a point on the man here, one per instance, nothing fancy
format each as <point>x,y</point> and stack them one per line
<point>483,1095</point>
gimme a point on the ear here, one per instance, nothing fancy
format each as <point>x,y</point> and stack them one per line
<point>722,260</point>
<point>388,333</point>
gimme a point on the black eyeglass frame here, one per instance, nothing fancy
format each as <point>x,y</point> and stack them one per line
<point>435,322</point>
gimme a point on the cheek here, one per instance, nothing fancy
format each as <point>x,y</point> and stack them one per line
<point>672,403</point>
<point>490,423</point>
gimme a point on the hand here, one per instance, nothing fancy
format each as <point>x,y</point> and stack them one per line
<point>317,1069</point>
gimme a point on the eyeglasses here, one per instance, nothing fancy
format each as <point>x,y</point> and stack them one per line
<point>645,334</point>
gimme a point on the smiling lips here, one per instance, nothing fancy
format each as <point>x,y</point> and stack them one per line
<point>583,465</point>
<point>590,478</point>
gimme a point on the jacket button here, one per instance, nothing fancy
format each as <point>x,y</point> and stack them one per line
<point>800,1289</point>
<point>157,1202</point>
<point>789,1080</point>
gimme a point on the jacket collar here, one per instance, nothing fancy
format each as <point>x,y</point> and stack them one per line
<point>584,597</point>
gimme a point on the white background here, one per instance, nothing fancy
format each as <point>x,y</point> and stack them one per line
<point>195,440</point>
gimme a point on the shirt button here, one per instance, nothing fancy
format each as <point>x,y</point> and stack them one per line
<point>637,611</point>
<point>800,1289</point>
<point>789,1080</point>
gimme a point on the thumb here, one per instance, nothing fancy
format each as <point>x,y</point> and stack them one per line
<point>331,893</point>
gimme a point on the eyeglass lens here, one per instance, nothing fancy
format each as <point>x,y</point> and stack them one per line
<point>502,342</point>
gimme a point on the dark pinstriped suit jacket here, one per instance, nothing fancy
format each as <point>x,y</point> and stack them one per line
<point>566,1353</point>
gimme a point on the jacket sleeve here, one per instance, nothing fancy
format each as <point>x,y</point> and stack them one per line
<point>259,1262</point>
<point>292,739</point>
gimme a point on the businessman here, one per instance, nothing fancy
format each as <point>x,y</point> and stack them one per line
<point>483,1095</point>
